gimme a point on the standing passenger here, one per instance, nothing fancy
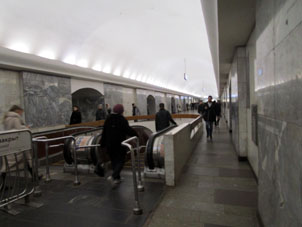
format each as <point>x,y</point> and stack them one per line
<point>163,118</point>
<point>108,109</point>
<point>135,111</point>
<point>100,113</point>
<point>209,116</point>
<point>218,112</point>
<point>76,117</point>
<point>116,128</point>
<point>13,119</point>
<point>201,108</point>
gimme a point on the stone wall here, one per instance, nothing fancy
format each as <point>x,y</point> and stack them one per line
<point>278,90</point>
<point>11,93</point>
<point>47,100</point>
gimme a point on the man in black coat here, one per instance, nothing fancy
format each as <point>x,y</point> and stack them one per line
<point>163,118</point>
<point>209,115</point>
<point>200,108</point>
<point>100,113</point>
<point>116,130</point>
<point>76,117</point>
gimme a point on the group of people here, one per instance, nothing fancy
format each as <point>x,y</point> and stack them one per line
<point>116,129</point>
<point>211,113</point>
<point>101,114</point>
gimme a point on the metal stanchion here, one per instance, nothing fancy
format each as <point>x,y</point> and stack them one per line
<point>137,210</point>
<point>76,177</point>
<point>37,189</point>
<point>140,185</point>
<point>48,179</point>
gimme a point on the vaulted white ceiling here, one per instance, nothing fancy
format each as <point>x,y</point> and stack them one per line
<point>144,40</point>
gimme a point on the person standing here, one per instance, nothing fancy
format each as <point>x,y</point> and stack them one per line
<point>201,108</point>
<point>108,109</point>
<point>209,116</point>
<point>13,119</point>
<point>218,113</point>
<point>116,128</point>
<point>135,111</point>
<point>100,113</point>
<point>163,118</point>
<point>76,117</point>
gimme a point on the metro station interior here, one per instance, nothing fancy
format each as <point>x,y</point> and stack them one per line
<point>246,54</point>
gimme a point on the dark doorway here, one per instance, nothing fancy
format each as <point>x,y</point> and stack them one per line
<point>151,110</point>
<point>87,99</point>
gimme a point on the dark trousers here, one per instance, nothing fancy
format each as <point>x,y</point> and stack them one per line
<point>117,158</point>
<point>209,127</point>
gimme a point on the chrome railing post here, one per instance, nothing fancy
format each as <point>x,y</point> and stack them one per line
<point>37,189</point>
<point>76,177</point>
<point>48,179</point>
<point>140,185</point>
<point>137,210</point>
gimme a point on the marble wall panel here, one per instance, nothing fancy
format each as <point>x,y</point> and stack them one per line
<point>11,92</point>
<point>47,99</point>
<point>278,97</point>
<point>119,95</point>
<point>288,78</point>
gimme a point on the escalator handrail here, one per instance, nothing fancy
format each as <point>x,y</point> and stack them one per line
<point>88,131</point>
<point>61,130</point>
<point>151,143</point>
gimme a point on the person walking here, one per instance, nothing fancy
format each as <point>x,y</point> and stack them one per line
<point>116,129</point>
<point>100,113</point>
<point>76,117</point>
<point>163,118</point>
<point>209,115</point>
<point>200,108</point>
<point>135,111</point>
<point>218,113</point>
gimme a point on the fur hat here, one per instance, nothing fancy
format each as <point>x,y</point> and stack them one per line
<point>118,109</point>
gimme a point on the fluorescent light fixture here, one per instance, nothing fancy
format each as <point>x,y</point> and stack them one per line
<point>19,46</point>
<point>133,76</point>
<point>126,74</point>
<point>70,59</point>
<point>117,72</point>
<point>186,77</point>
<point>97,67</point>
<point>47,54</point>
<point>82,63</point>
<point>107,69</point>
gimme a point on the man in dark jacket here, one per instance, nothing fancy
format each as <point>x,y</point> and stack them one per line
<point>116,129</point>
<point>76,117</point>
<point>100,113</point>
<point>209,115</point>
<point>218,112</point>
<point>200,108</point>
<point>163,118</point>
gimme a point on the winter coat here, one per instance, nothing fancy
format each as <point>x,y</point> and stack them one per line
<point>163,119</point>
<point>135,111</point>
<point>116,130</point>
<point>13,120</point>
<point>201,108</point>
<point>209,113</point>
<point>100,114</point>
<point>76,118</point>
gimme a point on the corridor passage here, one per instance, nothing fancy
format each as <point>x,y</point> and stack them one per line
<point>215,190</point>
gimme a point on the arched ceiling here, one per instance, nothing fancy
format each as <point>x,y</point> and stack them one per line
<point>144,40</point>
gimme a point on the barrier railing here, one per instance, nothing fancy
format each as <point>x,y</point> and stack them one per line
<point>17,168</point>
<point>74,148</point>
<point>195,125</point>
<point>137,186</point>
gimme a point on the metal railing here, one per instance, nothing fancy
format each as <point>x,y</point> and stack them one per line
<point>138,186</point>
<point>17,168</point>
<point>74,149</point>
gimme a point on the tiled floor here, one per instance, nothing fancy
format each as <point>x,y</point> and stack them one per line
<point>93,203</point>
<point>215,189</point>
